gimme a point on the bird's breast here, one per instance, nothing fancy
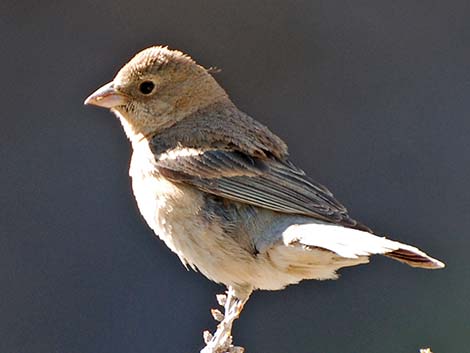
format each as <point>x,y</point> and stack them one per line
<point>170,209</point>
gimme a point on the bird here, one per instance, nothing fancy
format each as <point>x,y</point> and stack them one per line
<point>219,189</point>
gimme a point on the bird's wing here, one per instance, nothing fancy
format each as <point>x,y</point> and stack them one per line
<point>268,183</point>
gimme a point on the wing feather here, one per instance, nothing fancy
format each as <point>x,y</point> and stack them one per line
<point>269,183</point>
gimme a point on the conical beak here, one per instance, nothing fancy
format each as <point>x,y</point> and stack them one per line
<point>107,97</point>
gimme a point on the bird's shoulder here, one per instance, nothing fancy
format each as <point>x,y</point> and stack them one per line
<point>220,126</point>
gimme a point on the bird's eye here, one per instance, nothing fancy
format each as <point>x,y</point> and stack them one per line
<point>146,87</point>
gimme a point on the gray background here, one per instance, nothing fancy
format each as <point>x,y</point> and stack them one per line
<point>373,99</point>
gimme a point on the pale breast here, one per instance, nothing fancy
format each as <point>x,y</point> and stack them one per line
<point>169,209</point>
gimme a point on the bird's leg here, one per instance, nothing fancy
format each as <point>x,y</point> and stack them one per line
<point>221,341</point>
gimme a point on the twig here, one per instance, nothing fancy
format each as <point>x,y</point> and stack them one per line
<point>221,340</point>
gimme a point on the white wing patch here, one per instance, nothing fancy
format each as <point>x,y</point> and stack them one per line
<point>180,152</point>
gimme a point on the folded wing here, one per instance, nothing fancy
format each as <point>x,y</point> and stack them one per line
<point>269,183</point>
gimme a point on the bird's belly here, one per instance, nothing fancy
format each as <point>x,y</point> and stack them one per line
<point>176,214</point>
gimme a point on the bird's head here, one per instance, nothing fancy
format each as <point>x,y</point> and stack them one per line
<point>155,89</point>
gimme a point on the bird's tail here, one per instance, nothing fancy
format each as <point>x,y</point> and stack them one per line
<point>414,257</point>
<point>356,244</point>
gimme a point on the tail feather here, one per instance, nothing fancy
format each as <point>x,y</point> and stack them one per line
<point>352,243</point>
<point>415,258</point>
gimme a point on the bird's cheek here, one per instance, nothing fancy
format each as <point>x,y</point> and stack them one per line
<point>157,107</point>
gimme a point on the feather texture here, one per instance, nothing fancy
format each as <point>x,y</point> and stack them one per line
<point>268,183</point>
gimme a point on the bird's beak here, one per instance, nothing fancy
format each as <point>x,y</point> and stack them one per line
<point>107,97</point>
